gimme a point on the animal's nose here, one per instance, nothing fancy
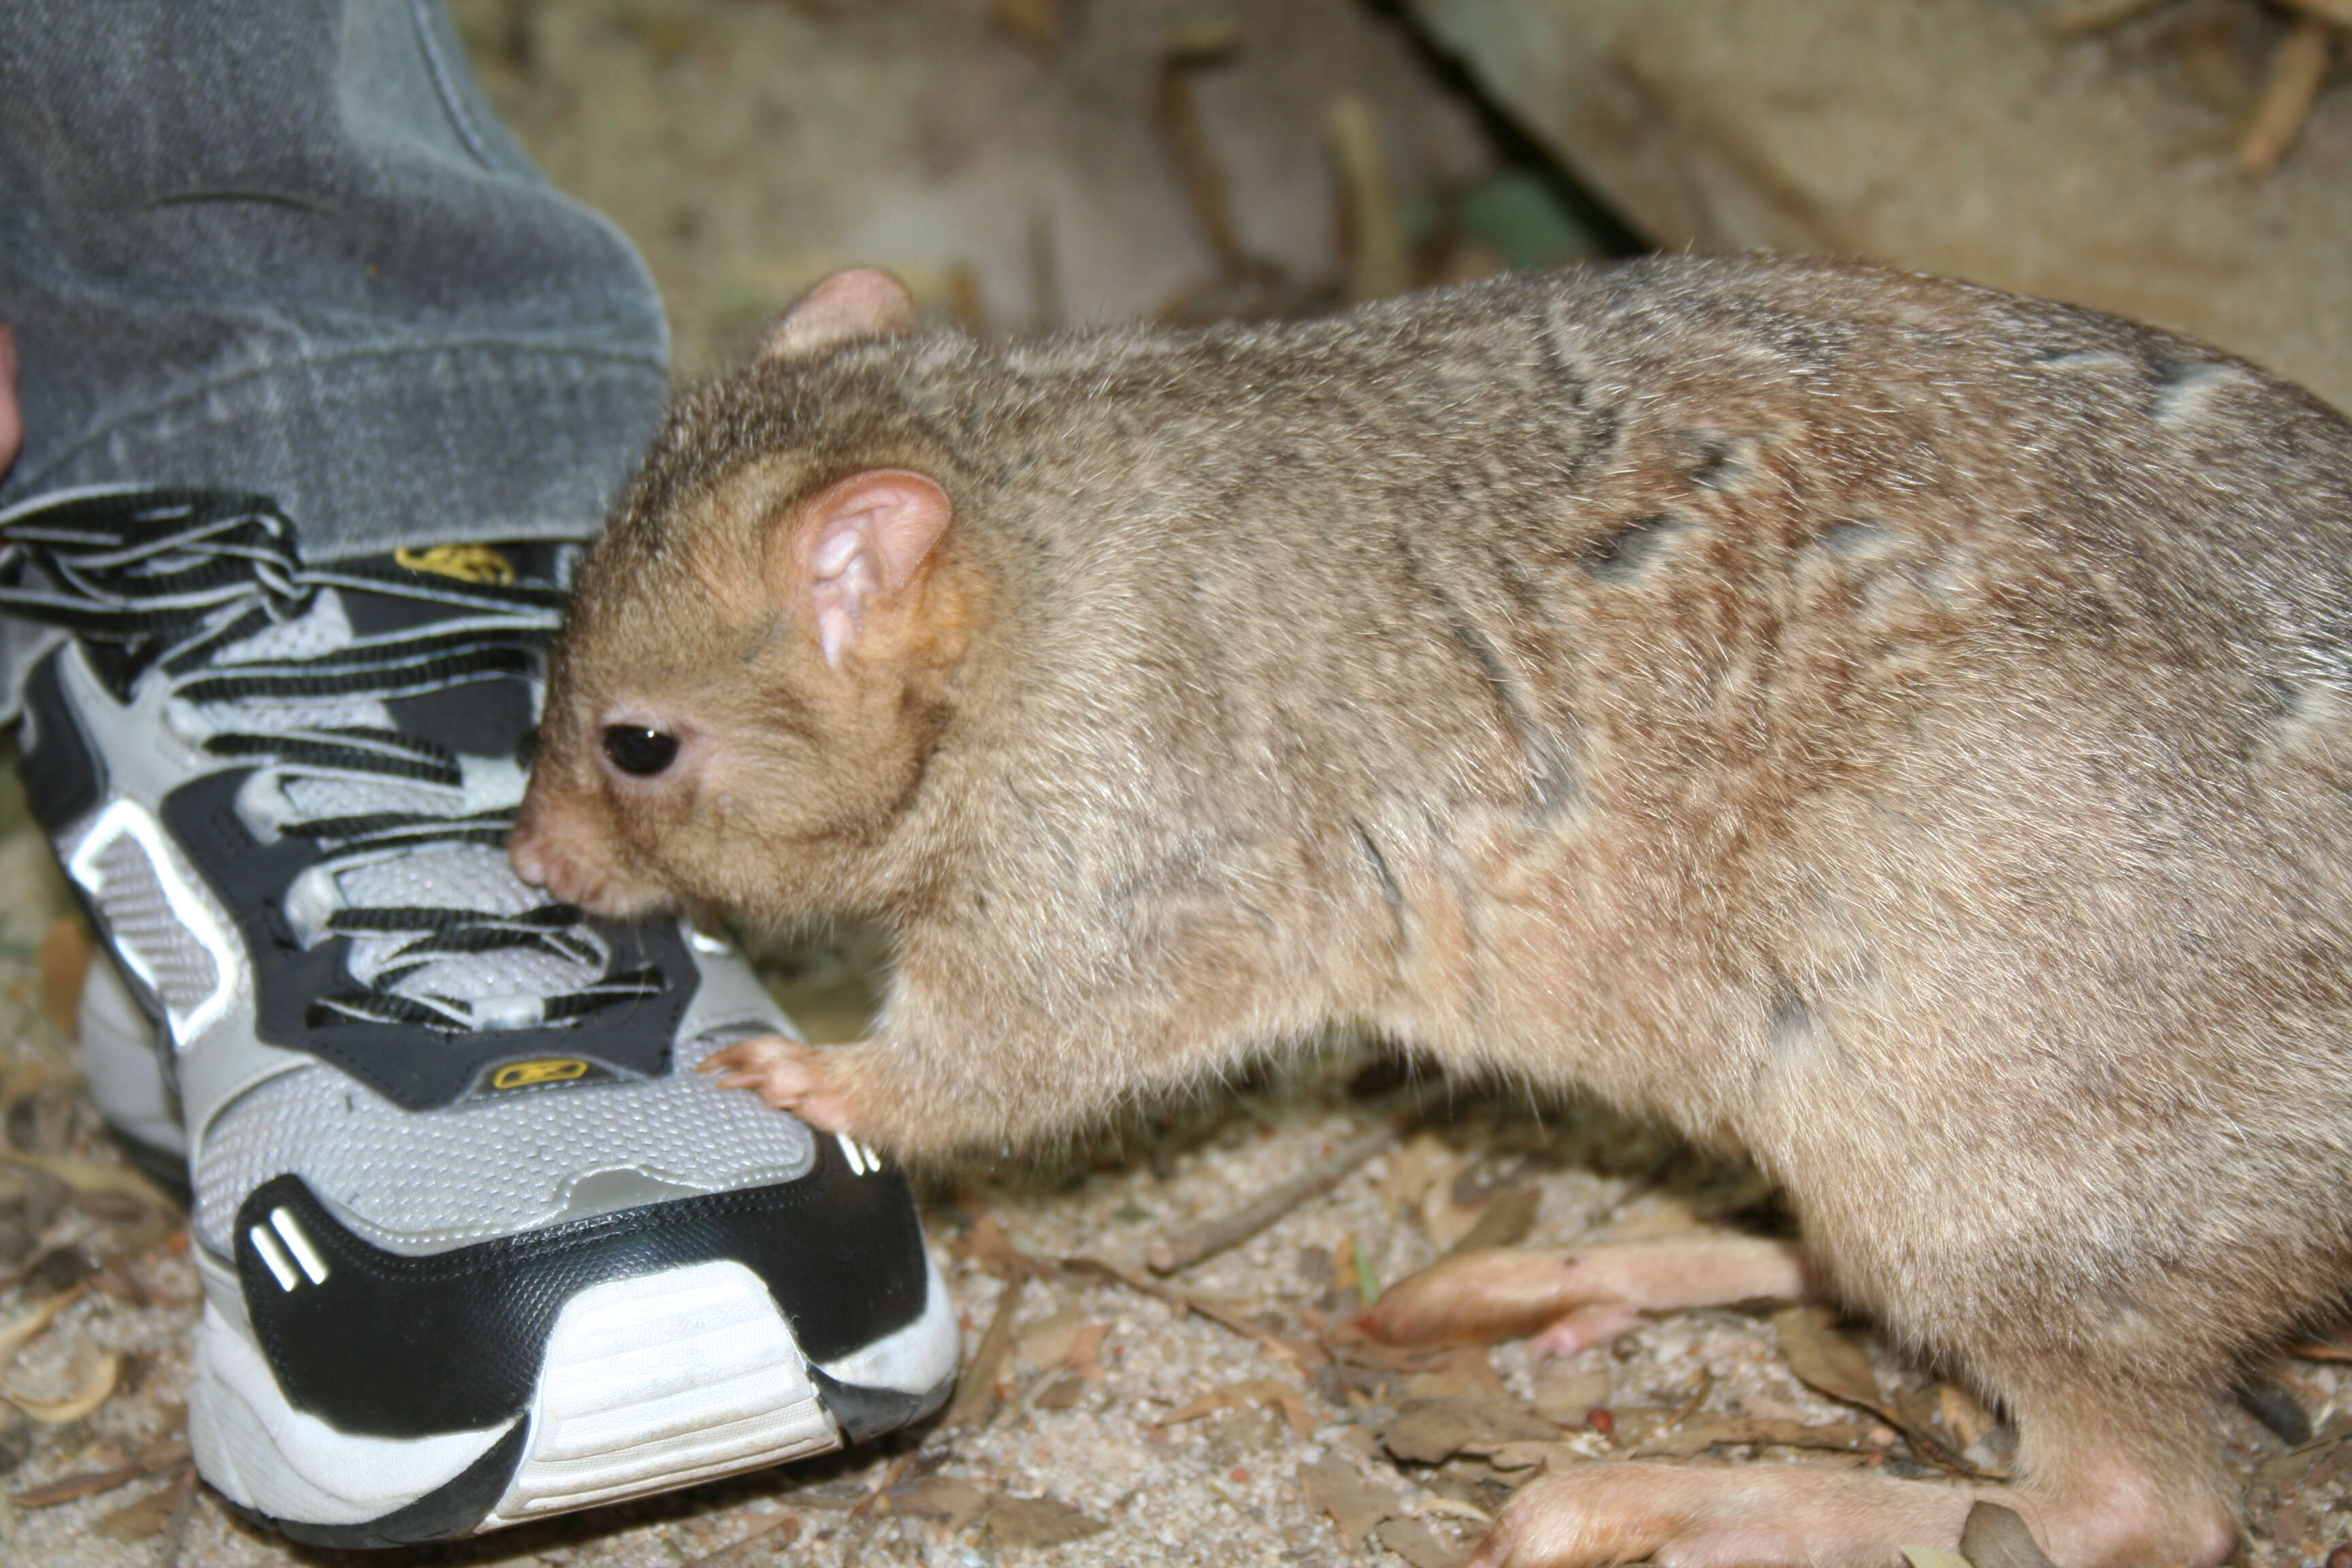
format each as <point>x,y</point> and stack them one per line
<point>529,853</point>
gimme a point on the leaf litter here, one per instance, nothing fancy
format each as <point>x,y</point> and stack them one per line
<point>1231,1390</point>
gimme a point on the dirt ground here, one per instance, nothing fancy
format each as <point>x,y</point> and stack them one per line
<point>1111,1415</point>
<point>1116,1416</point>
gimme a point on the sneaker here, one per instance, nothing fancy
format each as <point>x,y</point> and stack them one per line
<point>479,1245</point>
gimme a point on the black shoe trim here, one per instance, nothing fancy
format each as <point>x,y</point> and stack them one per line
<point>398,1346</point>
<point>64,776</point>
<point>863,1413</point>
<point>167,1168</point>
<point>450,1509</point>
<point>64,779</point>
<point>415,1068</point>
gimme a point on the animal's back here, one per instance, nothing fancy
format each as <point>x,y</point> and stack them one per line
<point>1960,699</point>
<point>1899,726</point>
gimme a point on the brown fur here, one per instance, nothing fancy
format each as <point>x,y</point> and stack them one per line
<point>1897,728</point>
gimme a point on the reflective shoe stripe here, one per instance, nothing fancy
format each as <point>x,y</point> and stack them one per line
<point>661,1380</point>
<point>164,924</point>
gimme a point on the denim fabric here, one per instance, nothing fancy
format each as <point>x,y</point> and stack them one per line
<point>287,248</point>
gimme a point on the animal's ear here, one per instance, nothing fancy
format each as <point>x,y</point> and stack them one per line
<point>856,545</point>
<point>861,302</point>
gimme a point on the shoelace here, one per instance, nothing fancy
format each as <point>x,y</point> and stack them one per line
<point>168,580</point>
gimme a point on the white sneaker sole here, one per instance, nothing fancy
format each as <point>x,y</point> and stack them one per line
<point>647,1383</point>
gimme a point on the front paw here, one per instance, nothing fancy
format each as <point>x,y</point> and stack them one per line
<point>791,1075</point>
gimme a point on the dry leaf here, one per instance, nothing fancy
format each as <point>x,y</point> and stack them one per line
<point>1451,1508</point>
<point>1250,1391</point>
<point>1834,1364</point>
<point>975,1394</point>
<point>1456,1370</point>
<point>1086,1351</point>
<point>1567,1395</point>
<point>1657,1216</point>
<point>1062,1393</point>
<point>1035,24</point>
<point>1917,1406</point>
<point>1827,1361</point>
<point>25,1326</point>
<point>92,1175</point>
<point>1934,1557</point>
<point>1554,1455</point>
<point>1503,1222</point>
<point>87,1483</point>
<point>1446,1221</point>
<point>1966,1418</point>
<point>989,1246</point>
<point>1428,1431</point>
<point>1995,1537</point>
<point>1420,1545</point>
<point>1423,1162</point>
<point>769,1534</point>
<point>60,966</point>
<point>1048,1341</point>
<point>1697,1433</point>
<point>1355,1504</point>
<point>1038,1521</point>
<point>1345,1278</point>
<point>942,1499</point>
<point>2298,69</point>
<point>1393,1358</point>
<point>142,1520</point>
<point>2276,1406</point>
<point>96,1385</point>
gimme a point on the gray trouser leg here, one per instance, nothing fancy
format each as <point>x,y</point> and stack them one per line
<point>287,248</point>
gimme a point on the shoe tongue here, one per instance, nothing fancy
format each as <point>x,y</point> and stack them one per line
<point>489,715</point>
<point>377,615</point>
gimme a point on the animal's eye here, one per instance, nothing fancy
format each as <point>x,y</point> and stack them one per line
<point>639,751</point>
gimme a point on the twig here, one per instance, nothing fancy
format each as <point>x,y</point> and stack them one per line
<point>857,1537</point>
<point>878,1496</point>
<point>1175,113</point>
<point>1506,1222</point>
<point>183,1511</point>
<point>975,1394</point>
<point>1699,1397</point>
<point>2096,16</point>
<point>89,1483</point>
<point>2337,11</point>
<point>1367,200</point>
<point>1189,1245</point>
<point>741,1552</point>
<point>2296,72</point>
<point>1185,1301</point>
<point>1037,25</point>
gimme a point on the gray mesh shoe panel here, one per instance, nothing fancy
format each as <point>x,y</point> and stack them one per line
<point>140,917</point>
<point>490,1167</point>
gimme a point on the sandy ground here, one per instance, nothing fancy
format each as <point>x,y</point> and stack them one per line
<point>1152,1432</point>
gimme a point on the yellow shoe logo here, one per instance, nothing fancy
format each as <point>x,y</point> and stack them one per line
<point>554,1070</point>
<point>466,563</point>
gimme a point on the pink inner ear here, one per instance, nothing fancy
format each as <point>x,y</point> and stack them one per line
<point>858,542</point>
<point>861,302</point>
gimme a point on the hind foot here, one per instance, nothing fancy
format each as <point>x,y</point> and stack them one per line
<point>1780,1516</point>
<point>1571,1300</point>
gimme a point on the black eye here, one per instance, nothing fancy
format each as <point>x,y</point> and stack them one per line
<point>642,752</point>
